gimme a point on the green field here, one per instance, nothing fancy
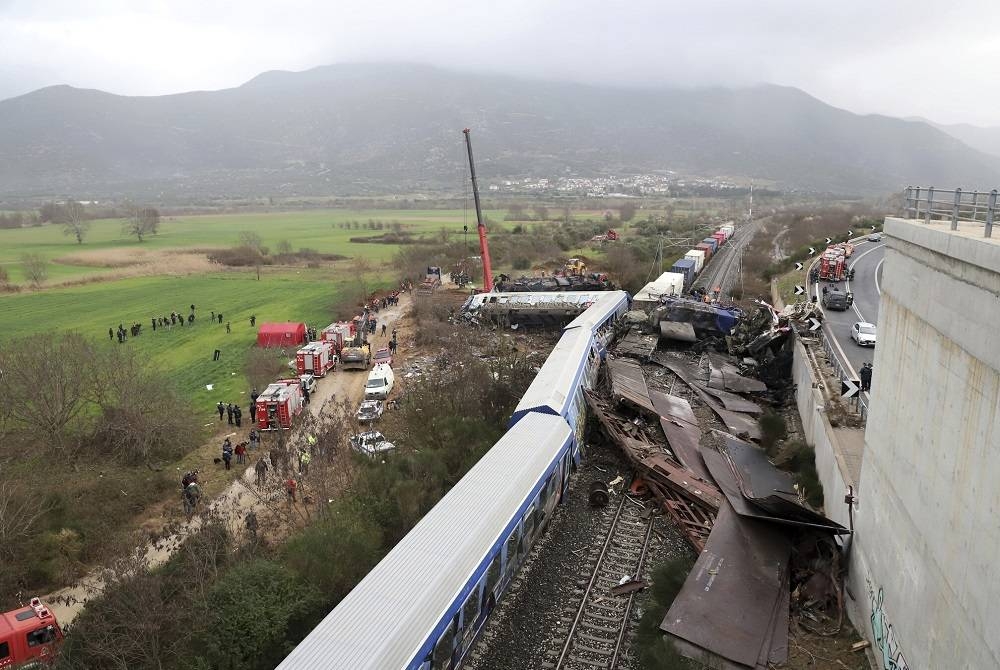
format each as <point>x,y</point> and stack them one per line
<point>318,230</point>
<point>183,355</point>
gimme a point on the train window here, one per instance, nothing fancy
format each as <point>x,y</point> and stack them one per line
<point>444,649</point>
<point>529,523</point>
<point>492,576</point>
<point>470,610</point>
<point>512,548</point>
<point>4,650</point>
<point>543,494</point>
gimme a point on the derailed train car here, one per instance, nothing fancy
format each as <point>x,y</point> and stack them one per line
<point>422,606</point>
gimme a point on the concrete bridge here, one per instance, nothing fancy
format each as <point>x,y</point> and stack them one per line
<point>924,582</point>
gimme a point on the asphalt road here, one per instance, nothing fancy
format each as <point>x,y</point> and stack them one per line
<point>867,264</point>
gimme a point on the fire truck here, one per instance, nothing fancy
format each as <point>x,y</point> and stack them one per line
<point>316,358</point>
<point>279,404</point>
<point>833,265</point>
<point>29,636</point>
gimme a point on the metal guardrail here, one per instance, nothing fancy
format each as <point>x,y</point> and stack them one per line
<point>858,401</point>
<point>956,205</point>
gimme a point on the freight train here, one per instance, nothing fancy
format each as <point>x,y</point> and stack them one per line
<point>423,605</point>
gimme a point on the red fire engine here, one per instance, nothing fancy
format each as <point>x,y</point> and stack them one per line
<point>279,404</point>
<point>833,265</point>
<point>339,334</point>
<point>316,358</point>
<point>29,636</point>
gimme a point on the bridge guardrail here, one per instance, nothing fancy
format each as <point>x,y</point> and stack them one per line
<point>954,205</point>
<point>858,401</point>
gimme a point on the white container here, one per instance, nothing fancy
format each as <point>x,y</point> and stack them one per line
<point>698,256</point>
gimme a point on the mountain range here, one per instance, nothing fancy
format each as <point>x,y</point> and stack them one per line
<point>385,128</point>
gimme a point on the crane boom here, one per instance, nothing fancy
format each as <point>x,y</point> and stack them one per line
<point>484,247</point>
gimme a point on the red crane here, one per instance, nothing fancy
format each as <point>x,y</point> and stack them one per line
<point>484,247</point>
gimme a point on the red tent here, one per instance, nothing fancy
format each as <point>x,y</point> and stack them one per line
<point>281,334</point>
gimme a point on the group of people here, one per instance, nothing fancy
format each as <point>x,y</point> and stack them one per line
<point>122,334</point>
<point>865,373</point>
<point>234,414</point>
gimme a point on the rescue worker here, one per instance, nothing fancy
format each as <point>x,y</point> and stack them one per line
<point>304,460</point>
<point>111,333</point>
<point>154,324</point>
<point>227,327</point>
<point>191,494</point>
<point>305,394</point>
<point>238,415</point>
<point>241,453</point>
<point>227,452</point>
<point>260,469</point>
<point>220,317</point>
<point>384,329</point>
<point>251,523</point>
<point>866,376</point>
<point>276,457</point>
<point>253,320</point>
<point>290,486</point>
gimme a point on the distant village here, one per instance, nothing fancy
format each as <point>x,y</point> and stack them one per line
<point>616,186</point>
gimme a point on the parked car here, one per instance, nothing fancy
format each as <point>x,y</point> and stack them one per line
<point>383,355</point>
<point>380,382</point>
<point>370,410</point>
<point>308,382</point>
<point>371,443</point>
<point>863,333</point>
<point>875,237</point>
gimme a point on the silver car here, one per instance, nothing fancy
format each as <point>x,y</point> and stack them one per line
<point>863,333</point>
<point>370,410</point>
<point>371,444</point>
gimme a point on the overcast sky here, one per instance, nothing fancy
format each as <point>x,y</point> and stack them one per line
<point>912,58</point>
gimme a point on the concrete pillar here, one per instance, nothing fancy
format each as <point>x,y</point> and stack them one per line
<point>925,563</point>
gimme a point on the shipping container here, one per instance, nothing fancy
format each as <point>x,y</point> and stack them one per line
<point>698,256</point>
<point>721,237</point>
<point>685,266</point>
<point>667,284</point>
<point>712,242</point>
<point>707,248</point>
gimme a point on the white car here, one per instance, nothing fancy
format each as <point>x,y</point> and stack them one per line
<point>863,333</point>
<point>370,410</point>
<point>875,237</point>
<point>371,444</point>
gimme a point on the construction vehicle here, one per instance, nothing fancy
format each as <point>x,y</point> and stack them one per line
<point>484,248</point>
<point>432,280</point>
<point>833,265</point>
<point>575,267</point>
<point>30,636</point>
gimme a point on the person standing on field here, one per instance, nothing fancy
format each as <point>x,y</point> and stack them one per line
<point>238,415</point>
<point>221,408</point>
<point>261,471</point>
<point>229,413</point>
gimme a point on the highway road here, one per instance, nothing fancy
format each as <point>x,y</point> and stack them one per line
<point>867,264</point>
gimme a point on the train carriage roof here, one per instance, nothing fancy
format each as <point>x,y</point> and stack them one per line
<point>409,591</point>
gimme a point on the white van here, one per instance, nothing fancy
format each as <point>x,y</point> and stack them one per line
<point>380,381</point>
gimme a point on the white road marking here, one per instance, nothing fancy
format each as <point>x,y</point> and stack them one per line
<point>877,268</point>
<point>860,256</point>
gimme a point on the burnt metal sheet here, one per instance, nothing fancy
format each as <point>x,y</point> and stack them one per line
<point>733,402</point>
<point>768,490</point>
<point>637,345</point>
<point>732,380</point>
<point>729,604</point>
<point>677,330</point>
<point>694,520</point>
<point>628,383</point>
<point>735,422</point>
<point>681,427</point>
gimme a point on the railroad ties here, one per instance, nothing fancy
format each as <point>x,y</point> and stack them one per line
<point>600,623</point>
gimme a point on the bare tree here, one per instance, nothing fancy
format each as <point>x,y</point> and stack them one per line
<point>284,247</point>
<point>361,267</point>
<point>141,221</point>
<point>622,266</point>
<point>74,220</point>
<point>250,242</point>
<point>36,268</point>
<point>20,510</point>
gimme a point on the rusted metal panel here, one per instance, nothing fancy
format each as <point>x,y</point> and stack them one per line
<point>730,604</point>
<point>757,489</point>
<point>628,383</point>
<point>733,402</point>
<point>694,521</point>
<point>683,481</point>
<point>682,430</point>
<point>732,379</point>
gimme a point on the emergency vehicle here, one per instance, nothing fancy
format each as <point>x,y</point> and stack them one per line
<point>316,358</point>
<point>29,636</point>
<point>833,265</point>
<point>279,404</point>
<point>339,334</point>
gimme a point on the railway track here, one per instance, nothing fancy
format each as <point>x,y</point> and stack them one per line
<point>720,270</point>
<point>597,633</point>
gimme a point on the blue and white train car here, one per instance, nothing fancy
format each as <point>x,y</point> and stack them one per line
<point>558,387</point>
<point>601,317</point>
<point>422,606</point>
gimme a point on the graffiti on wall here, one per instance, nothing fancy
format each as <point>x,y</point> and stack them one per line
<point>883,636</point>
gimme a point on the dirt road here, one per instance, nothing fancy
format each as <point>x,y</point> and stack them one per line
<point>240,497</point>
